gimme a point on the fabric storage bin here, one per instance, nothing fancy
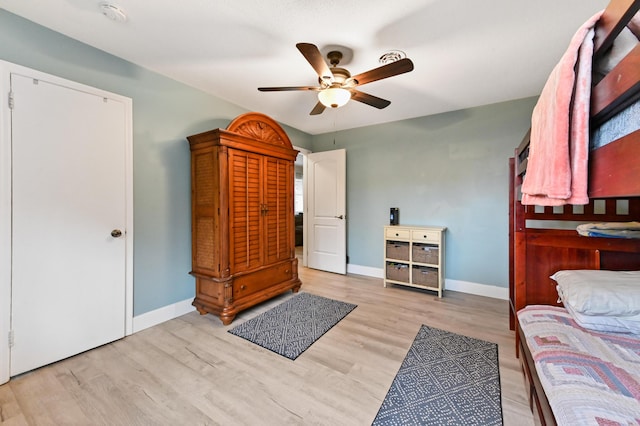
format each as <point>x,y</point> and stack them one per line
<point>424,275</point>
<point>398,250</point>
<point>425,253</point>
<point>398,272</point>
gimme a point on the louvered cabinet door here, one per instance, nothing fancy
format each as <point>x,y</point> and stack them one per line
<point>206,256</point>
<point>278,215</point>
<point>245,210</point>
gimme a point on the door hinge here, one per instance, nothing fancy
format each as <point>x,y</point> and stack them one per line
<point>10,100</point>
<point>11,339</point>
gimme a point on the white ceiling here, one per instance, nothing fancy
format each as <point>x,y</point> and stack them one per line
<point>466,52</point>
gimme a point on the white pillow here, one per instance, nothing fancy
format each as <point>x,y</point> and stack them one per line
<point>606,323</point>
<point>598,292</point>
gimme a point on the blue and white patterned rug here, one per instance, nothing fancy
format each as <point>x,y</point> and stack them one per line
<point>445,379</point>
<point>291,327</point>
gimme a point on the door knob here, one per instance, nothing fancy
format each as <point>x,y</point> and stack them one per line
<point>116,233</point>
<point>339,217</point>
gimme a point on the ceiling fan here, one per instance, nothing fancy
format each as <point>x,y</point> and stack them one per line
<point>337,85</point>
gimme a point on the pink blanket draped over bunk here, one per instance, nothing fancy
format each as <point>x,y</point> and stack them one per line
<point>559,145</point>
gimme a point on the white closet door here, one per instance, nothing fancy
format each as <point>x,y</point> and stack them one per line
<point>68,277</point>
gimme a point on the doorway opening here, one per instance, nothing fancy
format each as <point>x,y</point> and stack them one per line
<point>300,201</point>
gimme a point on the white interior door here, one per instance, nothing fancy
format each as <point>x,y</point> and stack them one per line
<point>69,201</point>
<point>326,184</point>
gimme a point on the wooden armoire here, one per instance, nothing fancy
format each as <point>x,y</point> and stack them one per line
<point>242,215</point>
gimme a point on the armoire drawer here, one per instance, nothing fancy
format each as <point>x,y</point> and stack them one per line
<point>248,284</point>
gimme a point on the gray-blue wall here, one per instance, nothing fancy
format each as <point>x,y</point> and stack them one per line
<point>164,113</point>
<point>448,169</point>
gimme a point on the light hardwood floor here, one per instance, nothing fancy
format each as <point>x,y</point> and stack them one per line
<point>190,371</point>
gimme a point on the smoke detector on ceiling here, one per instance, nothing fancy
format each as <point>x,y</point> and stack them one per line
<point>392,56</point>
<point>113,12</point>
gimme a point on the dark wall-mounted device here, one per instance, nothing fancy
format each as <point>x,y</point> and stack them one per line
<point>394,216</point>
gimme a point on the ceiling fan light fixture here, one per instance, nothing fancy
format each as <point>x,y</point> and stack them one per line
<point>334,97</point>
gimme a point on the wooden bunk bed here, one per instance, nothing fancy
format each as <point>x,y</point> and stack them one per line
<point>543,240</point>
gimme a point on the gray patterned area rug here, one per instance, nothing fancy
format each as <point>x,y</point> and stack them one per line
<point>445,379</point>
<point>291,327</point>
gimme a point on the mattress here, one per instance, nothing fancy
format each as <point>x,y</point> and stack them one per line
<point>622,124</point>
<point>589,378</point>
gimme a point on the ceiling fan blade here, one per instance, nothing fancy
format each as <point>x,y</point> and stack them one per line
<point>368,99</point>
<point>389,70</point>
<point>314,57</point>
<point>283,89</point>
<point>318,109</point>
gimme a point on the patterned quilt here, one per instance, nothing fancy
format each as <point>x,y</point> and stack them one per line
<point>589,378</point>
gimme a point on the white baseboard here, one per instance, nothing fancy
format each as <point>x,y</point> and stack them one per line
<point>477,289</point>
<point>367,271</point>
<point>160,315</point>
<point>453,285</point>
